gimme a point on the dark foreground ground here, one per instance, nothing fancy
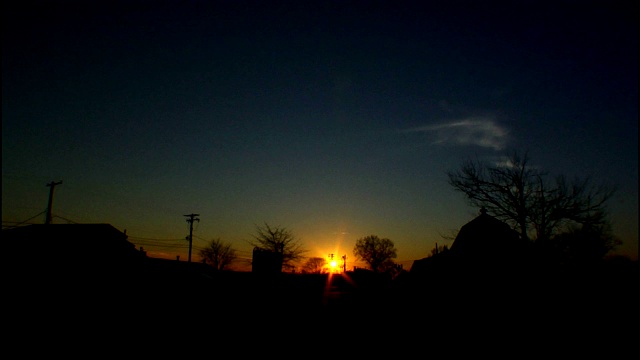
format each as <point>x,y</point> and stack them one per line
<point>169,299</point>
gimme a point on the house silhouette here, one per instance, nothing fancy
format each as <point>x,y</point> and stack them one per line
<point>67,252</point>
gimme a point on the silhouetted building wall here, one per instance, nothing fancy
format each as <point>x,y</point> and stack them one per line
<point>265,261</point>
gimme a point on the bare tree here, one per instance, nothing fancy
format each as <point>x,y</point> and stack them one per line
<point>315,265</point>
<point>523,197</point>
<point>279,240</point>
<point>378,253</point>
<point>218,254</point>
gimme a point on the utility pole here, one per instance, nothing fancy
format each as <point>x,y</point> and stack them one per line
<point>190,220</point>
<point>51,185</point>
<point>332,264</point>
<point>344,263</point>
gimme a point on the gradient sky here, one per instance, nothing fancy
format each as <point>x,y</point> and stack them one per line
<point>336,120</point>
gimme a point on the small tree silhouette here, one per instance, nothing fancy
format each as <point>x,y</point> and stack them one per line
<point>314,265</point>
<point>218,254</point>
<point>377,252</point>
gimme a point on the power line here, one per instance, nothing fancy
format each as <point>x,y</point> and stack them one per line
<point>153,239</point>
<point>23,222</point>
<point>170,246</point>
<point>63,218</point>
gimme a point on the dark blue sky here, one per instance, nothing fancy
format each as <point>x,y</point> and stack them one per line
<point>336,120</point>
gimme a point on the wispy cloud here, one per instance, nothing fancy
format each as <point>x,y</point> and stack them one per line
<point>504,162</point>
<point>479,131</point>
<point>507,162</point>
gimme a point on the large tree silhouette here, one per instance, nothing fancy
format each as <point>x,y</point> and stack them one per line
<point>377,252</point>
<point>524,197</point>
<point>279,240</point>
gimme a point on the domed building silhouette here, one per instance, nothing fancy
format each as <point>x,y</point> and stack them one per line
<point>484,243</point>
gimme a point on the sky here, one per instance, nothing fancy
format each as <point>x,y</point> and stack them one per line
<point>333,119</point>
